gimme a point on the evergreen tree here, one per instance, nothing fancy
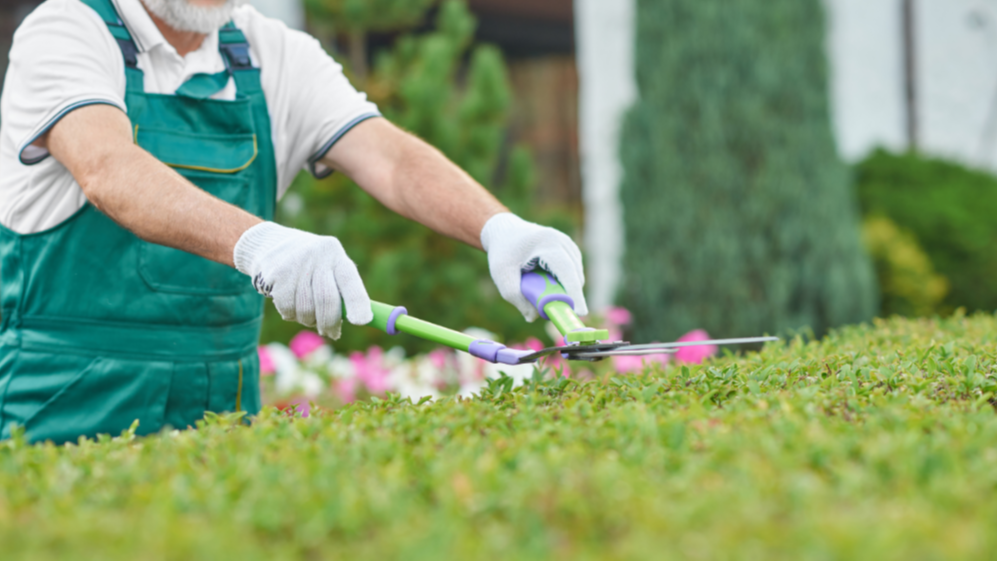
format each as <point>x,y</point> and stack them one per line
<point>740,217</point>
<point>357,18</point>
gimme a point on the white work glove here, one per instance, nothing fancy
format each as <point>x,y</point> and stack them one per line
<point>516,246</point>
<point>308,276</point>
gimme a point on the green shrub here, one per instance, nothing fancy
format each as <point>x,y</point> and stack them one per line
<point>878,443</point>
<point>419,86</point>
<point>949,209</point>
<point>907,280</point>
<point>739,215</point>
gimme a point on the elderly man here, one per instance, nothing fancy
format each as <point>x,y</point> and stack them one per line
<point>144,145</point>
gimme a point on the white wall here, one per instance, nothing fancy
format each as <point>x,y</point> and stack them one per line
<point>958,79</point>
<point>956,53</point>
<point>290,12</point>
<point>865,43</point>
<point>605,39</point>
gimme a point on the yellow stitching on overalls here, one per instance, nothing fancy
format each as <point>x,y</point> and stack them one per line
<point>238,396</point>
<point>216,170</point>
<point>256,152</point>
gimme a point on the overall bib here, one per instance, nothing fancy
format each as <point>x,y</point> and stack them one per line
<point>101,328</point>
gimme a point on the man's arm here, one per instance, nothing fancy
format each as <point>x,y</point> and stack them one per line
<point>417,181</point>
<point>138,191</point>
<point>308,276</point>
<point>414,179</point>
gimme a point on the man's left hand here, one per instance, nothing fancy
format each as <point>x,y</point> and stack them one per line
<point>515,246</point>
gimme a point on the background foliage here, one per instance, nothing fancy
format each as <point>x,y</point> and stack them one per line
<point>908,283</point>
<point>878,443</point>
<point>949,209</point>
<point>455,95</point>
<point>356,19</point>
<point>365,16</point>
<point>739,215</point>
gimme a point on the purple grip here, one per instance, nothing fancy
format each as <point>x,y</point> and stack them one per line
<point>534,285</point>
<point>511,357</point>
<point>496,353</point>
<point>485,350</point>
<point>393,318</point>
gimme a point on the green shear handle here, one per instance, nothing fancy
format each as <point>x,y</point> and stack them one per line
<point>540,288</point>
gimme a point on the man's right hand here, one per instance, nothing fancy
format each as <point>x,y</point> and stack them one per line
<point>309,277</point>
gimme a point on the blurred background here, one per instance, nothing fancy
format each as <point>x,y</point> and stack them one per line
<point>762,166</point>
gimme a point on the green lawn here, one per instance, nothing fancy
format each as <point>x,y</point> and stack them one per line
<point>878,443</point>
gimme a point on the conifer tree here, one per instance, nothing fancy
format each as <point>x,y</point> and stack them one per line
<point>739,215</point>
<point>357,18</point>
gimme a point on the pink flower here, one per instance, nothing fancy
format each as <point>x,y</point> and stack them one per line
<point>555,361</point>
<point>562,366</point>
<point>346,390</point>
<point>305,343</point>
<point>438,358</point>
<point>534,344</point>
<point>618,316</point>
<point>266,361</point>
<point>371,371</point>
<point>615,333</point>
<point>302,406</point>
<point>627,364</point>
<point>697,354</point>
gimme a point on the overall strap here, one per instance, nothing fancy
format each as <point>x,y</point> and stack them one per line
<point>234,48</point>
<point>105,9</point>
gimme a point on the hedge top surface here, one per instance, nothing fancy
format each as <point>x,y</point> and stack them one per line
<point>879,442</point>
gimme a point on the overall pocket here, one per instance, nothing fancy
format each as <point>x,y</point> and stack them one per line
<point>215,163</point>
<point>60,397</point>
<point>235,385</point>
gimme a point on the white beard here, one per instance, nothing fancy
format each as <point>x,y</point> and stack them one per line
<point>182,16</point>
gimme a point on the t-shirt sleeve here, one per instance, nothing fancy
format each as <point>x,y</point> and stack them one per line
<point>62,58</point>
<point>312,103</point>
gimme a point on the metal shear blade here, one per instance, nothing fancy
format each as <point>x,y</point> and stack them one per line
<point>597,352</point>
<point>570,350</point>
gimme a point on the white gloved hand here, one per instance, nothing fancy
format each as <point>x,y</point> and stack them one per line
<point>515,245</point>
<point>308,276</point>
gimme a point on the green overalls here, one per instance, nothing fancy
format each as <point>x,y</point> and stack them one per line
<point>101,328</point>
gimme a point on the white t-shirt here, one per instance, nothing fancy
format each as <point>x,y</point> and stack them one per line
<point>64,57</point>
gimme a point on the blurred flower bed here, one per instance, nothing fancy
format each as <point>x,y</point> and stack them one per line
<point>310,372</point>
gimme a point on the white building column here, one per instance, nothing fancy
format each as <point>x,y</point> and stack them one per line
<point>291,12</point>
<point>605,35</point>
<point>956,78</point>
<point>865,51</point>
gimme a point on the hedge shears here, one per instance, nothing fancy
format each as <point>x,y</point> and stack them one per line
<point>550,299</point>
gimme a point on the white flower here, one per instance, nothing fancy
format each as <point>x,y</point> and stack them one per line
<point>408,381</point>
<point>341,367</point>
<point>288,369</point>
<point>319,358</point>
<point>291,374</point>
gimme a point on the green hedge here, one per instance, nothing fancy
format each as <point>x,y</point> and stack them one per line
<point>951,211</point>
<point>739,215</point>
<point>878,443</point>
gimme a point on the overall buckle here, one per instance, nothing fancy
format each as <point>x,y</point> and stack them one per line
<point>237,56</point>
